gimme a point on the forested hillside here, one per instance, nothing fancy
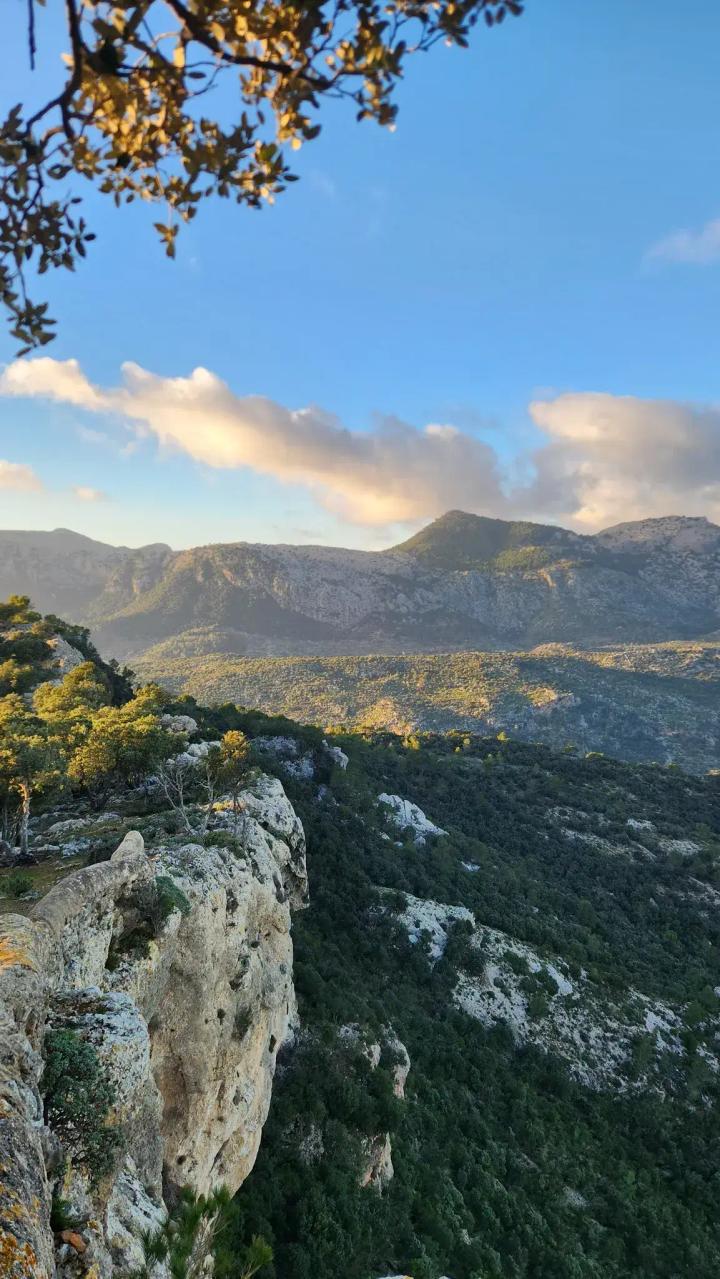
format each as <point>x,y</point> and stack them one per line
<point>637,702</point>
<point>508,973</point>
<point>519,1150</point>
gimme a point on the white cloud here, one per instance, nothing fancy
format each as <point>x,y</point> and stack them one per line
<point>85,494</point>
<point>617,457</point>
<point>90,436</point>
<point>61,380</point>
<point>391,474</point>
<point>20,478</point>
<point>603,458</point>
<point>699,247</point>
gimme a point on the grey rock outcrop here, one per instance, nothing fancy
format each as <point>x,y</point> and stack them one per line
<point>186,1026</point>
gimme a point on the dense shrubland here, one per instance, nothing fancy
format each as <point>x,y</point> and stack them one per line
<point>504,1165</point>
<point>644,703</point>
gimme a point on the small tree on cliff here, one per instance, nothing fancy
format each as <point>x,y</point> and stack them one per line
<point>31,763</point>
<point>17,610</point>
<point>68,708</point>
<point>230,766</point>
<point>176,777</point>
<point>189,1241</point>
<point>131,114</point>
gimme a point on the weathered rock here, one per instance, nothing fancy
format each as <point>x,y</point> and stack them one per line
<point>378,1168</point>
<point>401,1064</point>
<point>407,816</point>
<point>184,724</point>
<point>26,1242</point>
<point>75,1240</point>
<point>193,755</point>
<point>65,657</point>
<point>288,752</point>
<point>337,755</point>
<point>186,1024</point>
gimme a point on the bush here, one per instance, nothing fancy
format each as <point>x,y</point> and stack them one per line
<point>62,1216</point>
<point>220,839</point>
<point>156,903</point>
<point>78,1097</point>
<point>518,963</point>
<point>191,1237</point>
<point>170,898</point>
<point>18,884</point>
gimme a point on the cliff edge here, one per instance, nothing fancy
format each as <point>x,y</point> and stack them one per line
<point>164,986</point>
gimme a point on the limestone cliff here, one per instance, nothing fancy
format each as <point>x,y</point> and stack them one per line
<point>186,1021</point>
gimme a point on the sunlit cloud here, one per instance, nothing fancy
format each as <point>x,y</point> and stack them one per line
<point>86,494</point>
<point>393,473</point>
<point>19,478</point>
<point>600,459</point>
<point>618,457</point>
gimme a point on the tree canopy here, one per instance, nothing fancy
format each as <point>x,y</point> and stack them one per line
<point>133,114</point>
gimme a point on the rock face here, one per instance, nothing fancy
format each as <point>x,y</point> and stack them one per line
<point>186,1027</point>
<point>592,1027</point>
<point>65,657</point>
<point>379,1171</point>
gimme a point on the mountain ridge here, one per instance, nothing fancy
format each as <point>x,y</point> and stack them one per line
<point>464,581</point>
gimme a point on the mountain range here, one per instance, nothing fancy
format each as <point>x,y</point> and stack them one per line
<point>463,582</point>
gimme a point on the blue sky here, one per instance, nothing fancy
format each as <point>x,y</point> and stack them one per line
<point>495,250</point>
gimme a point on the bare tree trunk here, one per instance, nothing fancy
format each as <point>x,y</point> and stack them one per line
<point>24,817</point>
<point>209,787</point>
<point>172,782</point>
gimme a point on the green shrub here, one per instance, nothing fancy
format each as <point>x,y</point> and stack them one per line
<point>243,1022</point>
<point>78,1097</point>
<point>192,1235</point>
<point>61,1215</point>
<point>169,898</point>
<point>537,1006</point>
<point>518,963</point>
<point>18,884</point>
<point>220,839</point>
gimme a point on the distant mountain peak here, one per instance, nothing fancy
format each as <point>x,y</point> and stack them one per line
<point>671,532</point>
<point>459,539</point>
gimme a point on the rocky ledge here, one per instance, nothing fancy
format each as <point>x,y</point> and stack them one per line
<point>175,970</point>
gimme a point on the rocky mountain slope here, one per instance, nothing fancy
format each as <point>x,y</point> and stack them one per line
<point>65,573</point>
<point>648,703</point>
<point>463,582</point>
